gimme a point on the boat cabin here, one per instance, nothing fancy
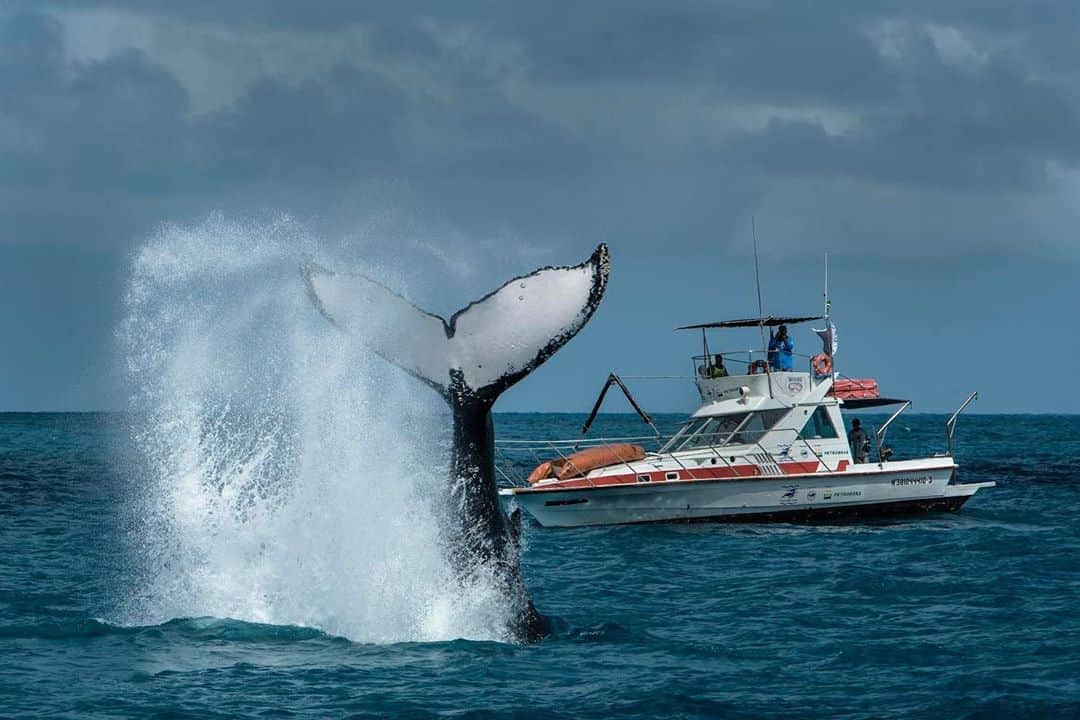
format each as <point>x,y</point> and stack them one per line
<point>750,404</point>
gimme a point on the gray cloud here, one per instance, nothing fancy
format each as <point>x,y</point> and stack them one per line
<point>481,135</point>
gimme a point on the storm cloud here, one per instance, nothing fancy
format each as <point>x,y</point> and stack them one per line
<point>932,149</point>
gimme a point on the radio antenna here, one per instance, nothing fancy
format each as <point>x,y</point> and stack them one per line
<point>757,280</point>
<point>760,310</point>
<point>828,305</point>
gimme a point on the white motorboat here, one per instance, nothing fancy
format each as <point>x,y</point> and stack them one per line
<point>767,443</point>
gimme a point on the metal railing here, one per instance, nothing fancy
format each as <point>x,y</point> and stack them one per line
<point>881,431</point>
<point>510,455</point>
<point>950,425</point>
<point>511,452</point>
<point>744,362</point>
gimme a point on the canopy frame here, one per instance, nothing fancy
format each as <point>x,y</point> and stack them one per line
<point>768,321</point>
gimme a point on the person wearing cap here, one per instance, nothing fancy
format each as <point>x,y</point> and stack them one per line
<point>781,348</point>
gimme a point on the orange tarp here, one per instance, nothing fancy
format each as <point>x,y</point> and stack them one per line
<point>589,459</point>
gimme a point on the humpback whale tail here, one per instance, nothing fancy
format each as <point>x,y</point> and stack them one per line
<point>485,347</point>
<point>470,359</point>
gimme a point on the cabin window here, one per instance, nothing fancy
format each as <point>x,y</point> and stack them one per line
<point>819,426</point>
<point>644,478</point>
<point>688,429</point>
<point>757,425</point>
<point>715,431</point>
<point>736,429</point>
<point>672,476</point>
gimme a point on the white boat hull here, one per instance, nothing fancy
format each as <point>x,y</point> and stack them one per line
<point>895,488</point>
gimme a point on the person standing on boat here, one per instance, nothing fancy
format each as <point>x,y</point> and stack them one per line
<point>718,370</point>
<point>781,348</point>
<point>859,441</point>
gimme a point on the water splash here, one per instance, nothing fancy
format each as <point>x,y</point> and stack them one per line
<point>285,475</point>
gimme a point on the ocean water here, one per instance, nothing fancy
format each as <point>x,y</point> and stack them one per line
<point>105,611</point>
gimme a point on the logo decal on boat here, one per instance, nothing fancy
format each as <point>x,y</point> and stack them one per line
<point>789,496</point>
<point>795,385</point>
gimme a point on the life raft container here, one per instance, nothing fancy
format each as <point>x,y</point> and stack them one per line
<point>583,461</point>
<point>855,389</point>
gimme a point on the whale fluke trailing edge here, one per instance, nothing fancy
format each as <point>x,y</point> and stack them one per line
<point>470,360</point>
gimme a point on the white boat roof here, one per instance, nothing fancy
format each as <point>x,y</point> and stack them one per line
<point>747,404</point>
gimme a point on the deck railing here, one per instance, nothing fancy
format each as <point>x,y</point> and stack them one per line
<point>747,362</point>
<point>515,459</point>
<point>950,425</point>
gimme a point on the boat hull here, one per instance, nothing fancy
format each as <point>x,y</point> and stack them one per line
<point>900,488</point>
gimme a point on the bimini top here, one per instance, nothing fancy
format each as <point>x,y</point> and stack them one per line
<point>769,321</point>
<point>864,403</point>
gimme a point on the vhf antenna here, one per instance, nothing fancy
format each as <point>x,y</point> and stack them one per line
<point>757,280</point>
<point>760,310</point>
<point>828,305</point>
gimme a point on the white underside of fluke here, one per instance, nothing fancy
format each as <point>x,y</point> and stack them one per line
<point>509,331</point>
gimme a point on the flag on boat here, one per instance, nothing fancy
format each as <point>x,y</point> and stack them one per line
<point>828,339</point>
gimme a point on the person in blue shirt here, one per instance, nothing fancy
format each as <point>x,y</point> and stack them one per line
<point>780,349</point>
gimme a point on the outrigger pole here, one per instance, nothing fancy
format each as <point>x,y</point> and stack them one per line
<point>613,379</point>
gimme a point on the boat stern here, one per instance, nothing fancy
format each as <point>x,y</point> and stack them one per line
<point>966,490</point>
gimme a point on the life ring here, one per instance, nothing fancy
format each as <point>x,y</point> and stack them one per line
<point>822,364</point>
<point>758,366</point>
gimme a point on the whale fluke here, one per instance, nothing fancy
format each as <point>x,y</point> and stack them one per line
<point>488,345</point>
<point>470,359</point>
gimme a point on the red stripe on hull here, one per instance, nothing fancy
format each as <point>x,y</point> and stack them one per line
<point>799,468</point>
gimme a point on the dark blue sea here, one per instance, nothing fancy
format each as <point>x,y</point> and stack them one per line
<point>973,614</point>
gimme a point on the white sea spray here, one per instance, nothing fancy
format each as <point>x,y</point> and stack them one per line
<point>283,474</point>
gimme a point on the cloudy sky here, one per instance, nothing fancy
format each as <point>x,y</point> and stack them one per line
<point>932,148</point>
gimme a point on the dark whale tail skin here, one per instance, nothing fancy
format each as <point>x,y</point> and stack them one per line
<point>470,360</point>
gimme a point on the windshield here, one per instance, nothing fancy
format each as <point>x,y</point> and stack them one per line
<point>712,431</point>
<point>735,429</point>
<point>757,425</point>
<point>688,428</point>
